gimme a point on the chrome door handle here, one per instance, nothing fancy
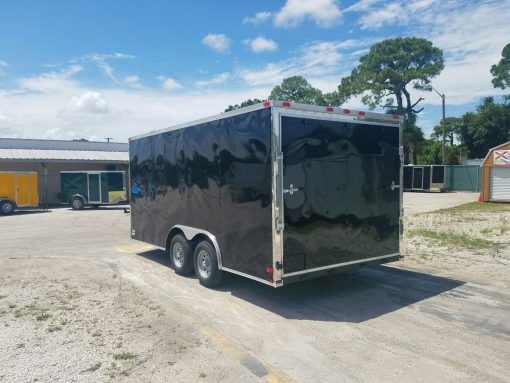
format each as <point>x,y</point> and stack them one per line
<point>291,190</point>
<point>393,186</point>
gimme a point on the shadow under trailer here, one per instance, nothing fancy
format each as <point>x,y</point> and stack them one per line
<point>276,192</point>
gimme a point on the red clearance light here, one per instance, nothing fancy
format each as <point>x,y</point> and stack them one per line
<point>266,103</point>
<point>286,104</point>
<point>269,270</point>
<point>329,109</point>
<point>346,111</point>
<point>395,117</point>
<point>361,114</point>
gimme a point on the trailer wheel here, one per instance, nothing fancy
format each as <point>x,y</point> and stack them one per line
<point>6,207</point>
<point>77,203</point>
<point>206,265</point>
<point>181,255</point>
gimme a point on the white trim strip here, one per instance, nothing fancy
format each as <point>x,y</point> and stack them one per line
<point>251,277</point>
<point>339,264</point>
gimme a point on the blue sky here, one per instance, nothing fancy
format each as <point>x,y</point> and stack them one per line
<point>94,69</point>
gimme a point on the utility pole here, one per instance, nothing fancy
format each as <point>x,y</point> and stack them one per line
<point>108,138</point>
<point>443,98</point>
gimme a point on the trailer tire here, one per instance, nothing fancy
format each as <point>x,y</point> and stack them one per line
<point>6,207</point>
<point>206,265</point>
<point>77,203</point>
<point>181,255</point>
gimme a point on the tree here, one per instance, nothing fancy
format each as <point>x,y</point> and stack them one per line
<point>452,130</point>
<point>386,74</point>
<point>487,127</point>
<point>298,89</point>
<point>243,104</point>
<point>501,70</point>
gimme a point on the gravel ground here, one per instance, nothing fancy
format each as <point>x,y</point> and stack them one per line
<point>80,301</point>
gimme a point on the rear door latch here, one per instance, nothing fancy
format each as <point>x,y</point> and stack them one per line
<point>393,186</point>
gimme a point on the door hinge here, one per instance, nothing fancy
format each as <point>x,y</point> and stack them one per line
<point>279,224</point>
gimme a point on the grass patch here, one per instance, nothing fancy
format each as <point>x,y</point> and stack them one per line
<point>482,207</point>
<point>94,367</point>
<point>124,356</point>
<point>54,328</point>
<point>451,239</point>
<point>43,316</point>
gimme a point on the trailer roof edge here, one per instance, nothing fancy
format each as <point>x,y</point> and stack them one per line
<point>333,110</point>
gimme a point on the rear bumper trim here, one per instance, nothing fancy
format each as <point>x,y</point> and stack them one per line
<point>339,265</point>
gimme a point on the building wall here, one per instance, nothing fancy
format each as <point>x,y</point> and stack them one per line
<point>487,164</point>
<point>54,169</point>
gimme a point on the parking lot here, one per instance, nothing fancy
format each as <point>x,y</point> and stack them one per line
<point>80,301</point>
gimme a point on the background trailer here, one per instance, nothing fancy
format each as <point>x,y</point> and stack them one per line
<point>93,188</point>
<point>18,190</point>
<point>276,192</point>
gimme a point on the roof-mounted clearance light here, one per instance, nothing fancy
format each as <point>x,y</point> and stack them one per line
<point>361,114</point>
<point>346,111</point>
<point>329,109</point>
<point>395,117</point>
<point>286,104</point>
<point>266,103</point>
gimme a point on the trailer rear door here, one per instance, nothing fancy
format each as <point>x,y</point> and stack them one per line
<point>23,190</point>
<point>340,192</point>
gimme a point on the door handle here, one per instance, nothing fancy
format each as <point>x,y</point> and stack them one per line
<point>393,186</point>
<point>291,189</point>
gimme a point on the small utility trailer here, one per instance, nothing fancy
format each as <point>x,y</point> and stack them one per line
<point>95,188</point>
<point>276,192</point>
<point>18,190</point>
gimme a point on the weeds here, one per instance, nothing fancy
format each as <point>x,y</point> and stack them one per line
<point>53,328</point>
<point>43,316</point>
<point>94,367</point>
<point>124,356</point>
<point>454,240</point>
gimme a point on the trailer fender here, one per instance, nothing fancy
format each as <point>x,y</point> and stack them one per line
<point>77,196</point>
<point>192,233</point>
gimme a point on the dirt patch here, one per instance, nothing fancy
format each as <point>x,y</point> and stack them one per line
<point>470,238</point>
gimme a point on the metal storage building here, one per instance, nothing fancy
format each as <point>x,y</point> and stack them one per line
<point>49,157</point>
<point>496,174</point>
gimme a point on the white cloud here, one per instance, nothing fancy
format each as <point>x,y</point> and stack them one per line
<point>261,44</point>
<point>259,18</point>
<point>325,13</point>
<point>4,64</point>
<point>102,62</point>
<point>389,14</point>
<point>169,83</point>
<point>218,42</point>
<point>218,79</point>
<point>52,81</point>
<point>89,103</point>
<point>361,5</point>
<point>132,81</point>
<point>318,59</point>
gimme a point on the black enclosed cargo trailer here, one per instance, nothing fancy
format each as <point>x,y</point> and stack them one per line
<point>276,192</point>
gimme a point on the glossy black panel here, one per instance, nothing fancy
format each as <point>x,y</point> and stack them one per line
<point>426,177</point>
<point>214,176</point>
<point>245,163</point>
<point>408,177</point>
<point>340,206</point>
